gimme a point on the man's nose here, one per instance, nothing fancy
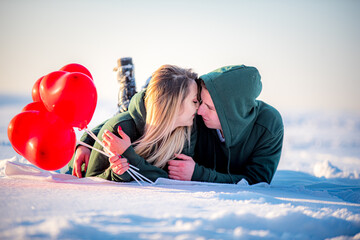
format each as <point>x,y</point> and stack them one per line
<point>200,110</point>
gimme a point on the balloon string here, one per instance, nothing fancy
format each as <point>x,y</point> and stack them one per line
<point>102,152</point>
<point>88,146</point>
<point>140,176</point>
<point>129,171</point>
<point>96,138</point>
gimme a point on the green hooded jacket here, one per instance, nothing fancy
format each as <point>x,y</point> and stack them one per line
<point>253,130</point>
<point>133,124</point>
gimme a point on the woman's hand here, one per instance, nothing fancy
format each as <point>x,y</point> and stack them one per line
<point>82,155</point>
<point>118,164</point>
<point>114,144</point>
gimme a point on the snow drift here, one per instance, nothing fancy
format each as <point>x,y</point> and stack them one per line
<point>315,194</point>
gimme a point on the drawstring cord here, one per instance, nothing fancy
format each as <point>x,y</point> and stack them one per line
<point>228,166</point>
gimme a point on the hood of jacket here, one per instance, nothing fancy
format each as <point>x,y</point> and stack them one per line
<point>234,90</point>
<point>137,110</point>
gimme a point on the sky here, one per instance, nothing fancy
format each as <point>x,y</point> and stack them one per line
<point>307,52</point>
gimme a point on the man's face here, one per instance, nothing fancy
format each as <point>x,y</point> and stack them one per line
<point>207,111</point>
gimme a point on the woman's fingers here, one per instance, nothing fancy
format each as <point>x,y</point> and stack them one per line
<point>119,165</point>
<point>120,169</point>
<point>82,155</point>
<point>107,134</point>
<point>116,159</point>
<point>122,134</point>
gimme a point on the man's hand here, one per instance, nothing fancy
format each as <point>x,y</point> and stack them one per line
<point>114,144</point>
<point>82,155</point>
<point>182,169</point>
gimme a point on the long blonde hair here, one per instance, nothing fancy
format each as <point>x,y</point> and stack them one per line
<point>168,87</point>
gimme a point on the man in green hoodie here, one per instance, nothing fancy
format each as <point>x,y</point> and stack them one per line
<point>239,138</point>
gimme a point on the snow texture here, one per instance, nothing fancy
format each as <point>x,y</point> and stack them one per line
<point>315,194</point>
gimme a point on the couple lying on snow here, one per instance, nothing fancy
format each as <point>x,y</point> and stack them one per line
<point>182,127</point>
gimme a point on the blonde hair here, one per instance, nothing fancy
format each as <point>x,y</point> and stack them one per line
<point>168,87</point>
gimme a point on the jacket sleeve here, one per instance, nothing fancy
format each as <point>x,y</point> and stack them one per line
<point>101,168</point>
<point>99,164</point>
<point>260,167</point>
<point>86,138</point>
<point>145,168</point>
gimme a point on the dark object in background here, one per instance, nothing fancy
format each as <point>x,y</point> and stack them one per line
<point>126,78</point>
<point>146,83</point>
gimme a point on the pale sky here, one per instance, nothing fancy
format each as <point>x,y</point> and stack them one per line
<point>308,52</point>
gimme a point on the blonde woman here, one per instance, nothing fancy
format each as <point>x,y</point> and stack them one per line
<point>157,127</point>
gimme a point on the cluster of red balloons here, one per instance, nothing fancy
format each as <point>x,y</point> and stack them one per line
<point>43,132</point>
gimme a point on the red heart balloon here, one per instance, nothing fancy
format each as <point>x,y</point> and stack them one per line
<point>49,80</point>
<point>17,136</point>
<point>35,94</point>
<point>71,96</point>
<point>35,106</point>
<point>75,67</point>
<point>42,138</point>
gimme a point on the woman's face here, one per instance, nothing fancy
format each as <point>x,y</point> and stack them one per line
<point>188,107</point>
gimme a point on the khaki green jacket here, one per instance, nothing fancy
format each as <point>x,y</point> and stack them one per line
<point>132,123</point>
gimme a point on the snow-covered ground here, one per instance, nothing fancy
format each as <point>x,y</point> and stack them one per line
<point>315,193</point>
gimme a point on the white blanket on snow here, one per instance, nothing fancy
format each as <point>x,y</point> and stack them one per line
<point>15,169</point>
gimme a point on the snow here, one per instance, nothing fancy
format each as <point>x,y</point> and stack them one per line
<point>315,193</point>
